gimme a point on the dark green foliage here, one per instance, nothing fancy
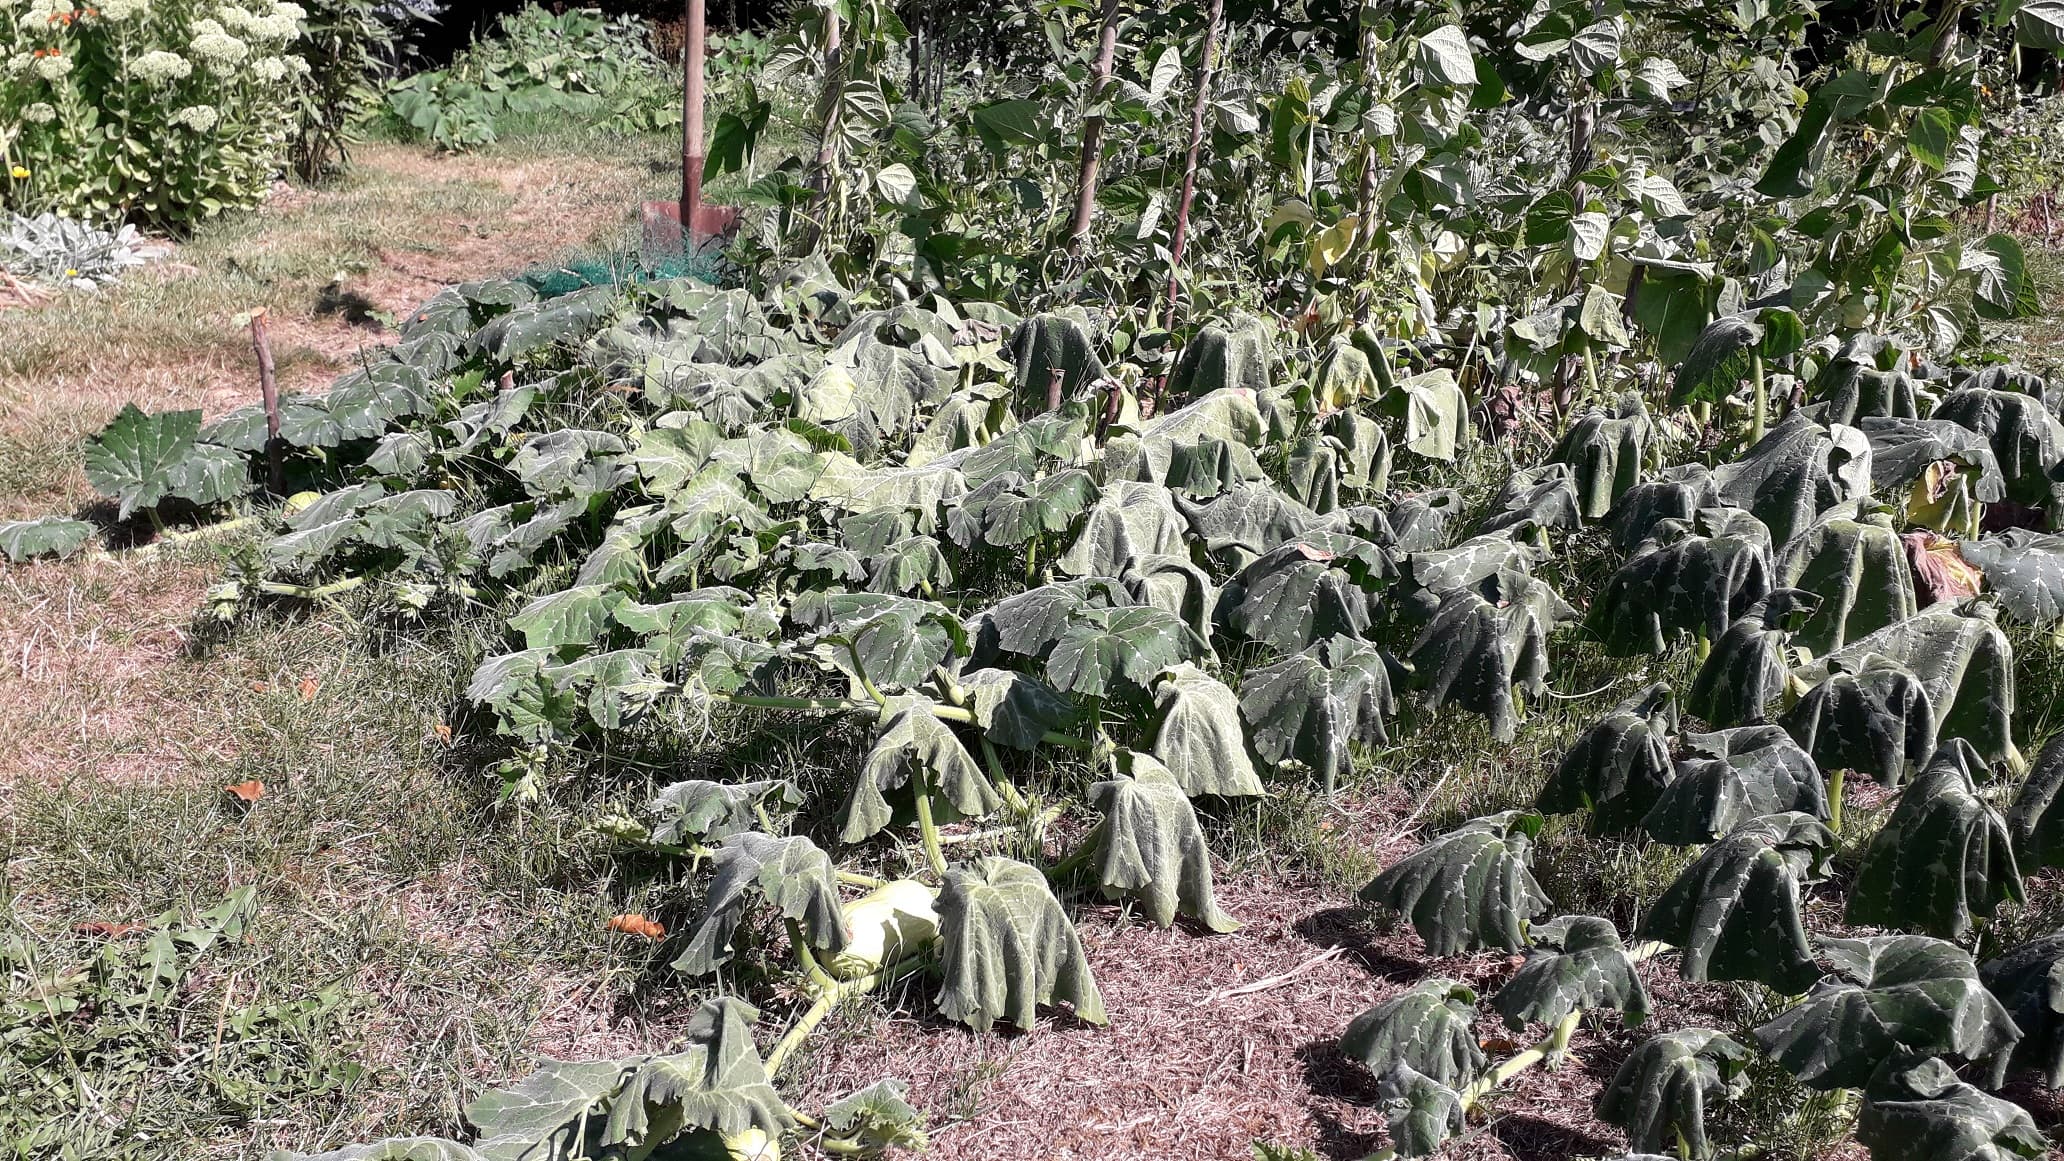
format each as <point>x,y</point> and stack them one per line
<point>2029,981</point>
<point>1428,1027</point>
<point>1943,858</point>
<point>1660,1093</point>
<point>1924,1113</point>
<point>1735,912</point>
<point>1875,720</point>
<point>1577,963</point>
<point>1727,778</point>
<point>1620,766</point>
<point>1469,889</point>
<point>1748,669</point>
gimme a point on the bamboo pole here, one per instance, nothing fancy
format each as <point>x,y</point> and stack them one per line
<point>1093,129</point>
<point>1206,60</point>
<point>691,123</point>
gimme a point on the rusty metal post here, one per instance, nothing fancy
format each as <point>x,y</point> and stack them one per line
<point>268,387</point>
<point>691,124</point>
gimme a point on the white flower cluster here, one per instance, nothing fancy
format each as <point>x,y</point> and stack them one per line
<point>279,22</point>
<point>201,118</point>
<point>40,113</point>
<point>120,10</point>
<point>40,15</point>
<point>158,66</point>
<point>54,68</point>
<point>218,49</point>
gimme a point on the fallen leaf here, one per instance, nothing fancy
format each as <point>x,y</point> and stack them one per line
<point>308,687</point>
<point>260,686</point>
<point>1940,571</point>
<point>108,930</point>
<point>1500,1044</point>
<point>443,733</point>
<point>250,791</point>
<point>635,924</point>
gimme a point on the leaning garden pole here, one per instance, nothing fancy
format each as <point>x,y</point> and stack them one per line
<point>1093,128</point>
<point>1205,61</point>
<point>691,124</point>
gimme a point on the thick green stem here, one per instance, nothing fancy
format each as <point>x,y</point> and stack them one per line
<point>1761,415</point>
<point>1552,1047</point>
<point>308,592</point>
<point>855,879</point>
<point>929,830</point>
<point>829,997</point>
<point>1834,795</point>
<point>1084,852</point>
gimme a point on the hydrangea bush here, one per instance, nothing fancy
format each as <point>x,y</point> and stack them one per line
<point>159,111</point>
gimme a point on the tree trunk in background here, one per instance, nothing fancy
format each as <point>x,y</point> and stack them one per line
<point>1205,61</point>
<point>1093,129</point>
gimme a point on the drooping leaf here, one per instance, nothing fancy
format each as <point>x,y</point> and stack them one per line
<point>2037,818</point>
<point>1731,776</point>
<point>1149,848</point>
<point>575,616</point>
<point>1607,449</point>
<point>1577,963</point>
<point>1420,1112</point>
<point>715,1081</point>
<point>1735,913</point>
<point>1857,567</point>
<point>1428,1027</point>
<point>142,460</point>
<point>1129,521</point>
<point>1943,856</point>
<point>876,1119</point>
<point>1749,669</point>
<point>1469,889</point>
<point>917,750</point>
<point>1049,347</point>
<point>1719,360</point>
<point>1924,1113</point>
<point>893,641</point>
<point>1679,493</point>
<point>1890,997</point>
<point>1316,704</point>
<point>1799,470</point>
<point>1691,585</point>
<point>1660,1093</point>
<point>1876,720</point>
<point>1007,947</point>
<point>1311,588</point>
<point>2027,441</point>
<point>2029,982</point>
<point>1197,735</point>
<point>1015,709</point>
<point>1619,766</point>
<point>698,809</point>
<point>2026,569</point>
<point>1964,662</point>
<point>1486,641</point>
<point>790,873</point>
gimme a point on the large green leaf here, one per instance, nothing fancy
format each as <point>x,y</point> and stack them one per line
<point>1693,585</point>
<point>1049,347</point>
<point>1099,647</point>
<point>917,750</point>
<point>1876,720</point>
<point>1217,357</point>
<point>1032,621</point>
<point>1007,947</point>
<point>1150,849</point>
<point>1608,449</point>
<point>1964,662</point>
<point>1855,563</point>
<point>1197,736</point>
<point>1735,913</point>
<point>1799,470</point>
<point>142,460</point>
<point>393,1149</point>
<point>1924,1113</point>
<point>1577,963</point>
<point>1890,998</point>
<point>1469,889</point>
<point>1315,705</point>
<point>22,540</point>
<point>544,1116</point>
<point>1719,360</point>
<point>1486,641</point>
<point>790,873</point>
<point>1129,521</point>
<point>893,641</point>
<point>1619,766</point>
<point>2026,569</point>
<point>1660,1092</point>
<point>1749,667</point>
<point>575,616</point>
<point>1429,1027</point>
<point>1943,856</point>
<point>2026,440</point>
<point>1435,413</point>
<point>1309,589</point>
<point>2029,982</point>
<point>1678,493</point>
<point>2037,818</point>
<point>714,1081</point>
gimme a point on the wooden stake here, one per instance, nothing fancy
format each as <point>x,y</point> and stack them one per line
<point>1206,61</point>
<point>1093,129</point>
<point>276,468</point>
<point>691,124</point>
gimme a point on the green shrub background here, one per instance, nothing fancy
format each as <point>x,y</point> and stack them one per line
<point>163,112</point>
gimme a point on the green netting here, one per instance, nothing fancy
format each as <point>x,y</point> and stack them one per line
<point>618,269</point>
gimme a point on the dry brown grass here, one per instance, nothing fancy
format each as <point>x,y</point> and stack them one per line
<point>93,679</point>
